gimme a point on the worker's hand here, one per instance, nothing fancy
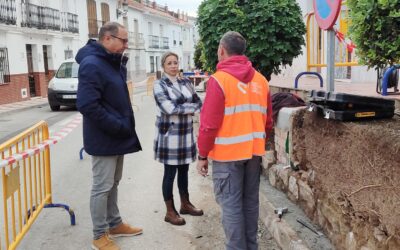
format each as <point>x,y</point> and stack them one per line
<point>202,167</point>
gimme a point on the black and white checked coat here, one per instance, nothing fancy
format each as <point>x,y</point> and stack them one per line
<point>174,142</point>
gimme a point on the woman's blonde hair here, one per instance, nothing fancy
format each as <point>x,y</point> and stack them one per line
<point>167,54</point>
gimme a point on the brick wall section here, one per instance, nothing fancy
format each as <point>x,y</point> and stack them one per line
<point>11,92</point>
<point>41,84</point>
<point>50,75</point>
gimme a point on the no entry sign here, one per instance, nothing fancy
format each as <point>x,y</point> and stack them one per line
<point>326,12</point>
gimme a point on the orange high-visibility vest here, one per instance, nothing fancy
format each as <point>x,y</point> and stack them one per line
<point>242,133</point>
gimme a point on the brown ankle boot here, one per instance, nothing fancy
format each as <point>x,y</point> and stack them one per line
<point>189,208</point>
<point>172,215</point>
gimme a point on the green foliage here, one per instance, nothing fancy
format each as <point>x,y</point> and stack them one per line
<point>375,29</point>
<point>273,29</point>
<point>198,63</point>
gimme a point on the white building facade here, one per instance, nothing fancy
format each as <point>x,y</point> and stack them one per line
<point>36,36</point>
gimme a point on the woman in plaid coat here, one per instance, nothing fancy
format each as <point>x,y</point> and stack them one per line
<point>174,144</point>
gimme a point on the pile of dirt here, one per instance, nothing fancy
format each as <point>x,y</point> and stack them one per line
<point>356,165</point>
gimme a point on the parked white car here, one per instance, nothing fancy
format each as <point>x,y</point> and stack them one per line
<point>63,86</point>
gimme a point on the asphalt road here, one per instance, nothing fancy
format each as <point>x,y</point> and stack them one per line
<point>14,123</point>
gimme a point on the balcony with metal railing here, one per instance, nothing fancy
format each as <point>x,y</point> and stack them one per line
<point>165,43</point>
<point>154,42</point>
<point>69,22</point>
<point>40,17</point>
<point>8,13</point>
<point>136,40</point>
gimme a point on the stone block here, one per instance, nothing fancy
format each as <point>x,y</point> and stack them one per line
<point>351,242</point>
<point>379,235</point>
<point>264,163</point>
<point>283,121</point>
<point>272,175</point>
<point>306,195</point>
<point>320,216</point>
<point>293,188</point>
<point>283,174</point>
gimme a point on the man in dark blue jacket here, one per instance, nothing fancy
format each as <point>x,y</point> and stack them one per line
<point>108,128</point>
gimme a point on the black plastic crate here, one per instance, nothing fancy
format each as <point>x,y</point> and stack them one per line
<point>347,107</point>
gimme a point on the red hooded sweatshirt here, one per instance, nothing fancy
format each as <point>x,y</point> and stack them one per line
<point>212,112</point>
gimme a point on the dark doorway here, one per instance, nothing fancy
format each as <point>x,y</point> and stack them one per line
<point>151,64</point>
<point>46,62</point>
<point>31,77</point>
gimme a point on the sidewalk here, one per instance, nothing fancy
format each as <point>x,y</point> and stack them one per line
<point>17,106</point>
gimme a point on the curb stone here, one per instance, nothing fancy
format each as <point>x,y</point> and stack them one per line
<point>283,234</point>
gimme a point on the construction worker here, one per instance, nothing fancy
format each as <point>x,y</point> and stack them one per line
<point>235,121</point>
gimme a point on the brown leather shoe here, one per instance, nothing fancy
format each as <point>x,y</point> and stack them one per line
<point>188,208</point>
<point>104,243</point>
<point>172,215</point>
<point>124,229</point>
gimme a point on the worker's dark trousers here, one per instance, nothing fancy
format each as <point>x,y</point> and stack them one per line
<point>236,187</point>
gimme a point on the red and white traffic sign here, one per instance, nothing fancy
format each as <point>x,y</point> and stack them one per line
<point>326,12</point>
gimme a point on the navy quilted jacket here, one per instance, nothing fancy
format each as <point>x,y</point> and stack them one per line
<point>103,99</point>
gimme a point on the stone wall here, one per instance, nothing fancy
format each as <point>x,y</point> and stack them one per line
<point>345,176</point>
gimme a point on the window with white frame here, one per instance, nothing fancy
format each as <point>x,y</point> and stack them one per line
<point>68,54</point>
<point>152,70</point>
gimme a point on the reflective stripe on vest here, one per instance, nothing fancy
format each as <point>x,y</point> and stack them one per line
<point>244,108</point>
<point>242,133</point>
<point>239,139</point>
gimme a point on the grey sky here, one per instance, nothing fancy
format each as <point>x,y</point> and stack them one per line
<point>189,6</point>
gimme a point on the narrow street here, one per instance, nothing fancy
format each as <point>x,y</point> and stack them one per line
<point>140,197</point>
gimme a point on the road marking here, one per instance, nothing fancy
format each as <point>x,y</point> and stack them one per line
<point>54,138</point>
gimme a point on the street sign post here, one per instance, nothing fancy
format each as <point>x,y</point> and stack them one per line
<point>326,13</point>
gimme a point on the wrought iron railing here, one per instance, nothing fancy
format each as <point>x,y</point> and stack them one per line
<point>69,22</point>
<point>140,40</point>
<point>8,12</point>
<point>136,40</point>
<point>40,17</point>
<point>154,42</point>
<point>4,69</point>
<point>165,42</point>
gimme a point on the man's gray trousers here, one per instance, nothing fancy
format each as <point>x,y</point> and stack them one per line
<point>107,172</point>
<point>236,189</point>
